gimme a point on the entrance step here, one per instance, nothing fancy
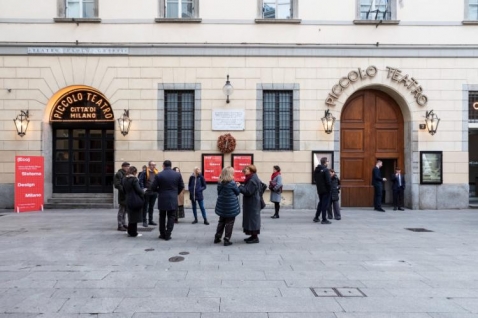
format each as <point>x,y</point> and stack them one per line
<point>80,201</point>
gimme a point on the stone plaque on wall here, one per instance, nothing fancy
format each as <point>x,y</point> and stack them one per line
<point>230,119</point>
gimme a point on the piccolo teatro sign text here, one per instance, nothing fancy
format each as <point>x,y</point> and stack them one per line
<point>393,73</point>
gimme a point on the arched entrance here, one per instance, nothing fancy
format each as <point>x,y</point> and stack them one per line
<point>82,122</point>
<point>371,128</point>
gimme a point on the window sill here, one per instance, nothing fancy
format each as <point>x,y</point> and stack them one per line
<point>77,20</point>
<point>178,20</point>
<point>470,22</point>
<point>293,21</point>
<point>377,22</point>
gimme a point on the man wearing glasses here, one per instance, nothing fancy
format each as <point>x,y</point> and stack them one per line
<point>145,182</point>
<point>323,182</point>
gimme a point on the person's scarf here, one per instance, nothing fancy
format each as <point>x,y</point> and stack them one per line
<point>275,174</point>
<point>248,177</point>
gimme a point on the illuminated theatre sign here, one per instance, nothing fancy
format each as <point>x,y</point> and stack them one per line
<point>82,104</point>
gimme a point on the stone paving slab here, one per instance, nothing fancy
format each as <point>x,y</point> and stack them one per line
<point>65,264</point>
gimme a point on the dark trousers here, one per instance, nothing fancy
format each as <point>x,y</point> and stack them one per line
<point>133,229</point>
<point>166,229</point>
<point>336,208</point>
<point>276,207</point>
<point>148,207</point>
<point>322,206</point>
<point>398,197</point>
<point>225,224</point>
<point>377,197</point>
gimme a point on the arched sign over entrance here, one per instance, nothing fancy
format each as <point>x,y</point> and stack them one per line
<point>80,104</point>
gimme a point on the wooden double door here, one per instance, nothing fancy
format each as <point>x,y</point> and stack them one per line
<point>371,128</point>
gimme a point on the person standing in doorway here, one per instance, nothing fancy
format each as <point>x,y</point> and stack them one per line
<point>322,182</point>
<point>145,181</point>
<point>377,182</point>
<point>398,186</point>
<point>275,185</point>
<point>168,184</point>
<point>196,186</point>
<point>118,183</point>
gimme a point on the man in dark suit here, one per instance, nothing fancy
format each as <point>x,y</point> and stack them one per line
<point>322,181</point>
<point>398,185</point>
<point>168,183</point>
<point>377,182</point>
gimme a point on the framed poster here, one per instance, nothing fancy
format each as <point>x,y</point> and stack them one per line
<point>238,162</point>
<point>431,167</point>
<point>212,166</point>
<point>316,155</point>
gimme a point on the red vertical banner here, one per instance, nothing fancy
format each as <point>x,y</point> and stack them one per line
<point>239,162</point>
<point>29,181</point>
<point>212,166</point>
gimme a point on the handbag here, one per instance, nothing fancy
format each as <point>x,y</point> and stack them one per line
<point>272,185</point>
<point>134,201</point>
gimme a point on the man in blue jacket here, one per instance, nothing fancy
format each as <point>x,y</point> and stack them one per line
<point>169,184</point>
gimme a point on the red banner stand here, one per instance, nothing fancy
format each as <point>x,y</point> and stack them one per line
<point>29,183</point>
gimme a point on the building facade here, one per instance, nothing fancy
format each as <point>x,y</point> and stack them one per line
<point>378,67</point>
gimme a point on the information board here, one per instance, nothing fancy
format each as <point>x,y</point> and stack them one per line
<point>231,119</point>
<point>29,181</point>
<point>212,165</point>
<point>239,162</point>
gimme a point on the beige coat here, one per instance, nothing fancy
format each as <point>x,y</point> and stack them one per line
<point>181,198</point>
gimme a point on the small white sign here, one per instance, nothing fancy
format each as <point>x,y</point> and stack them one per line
<point>231,119</point>
<point>78,50</point>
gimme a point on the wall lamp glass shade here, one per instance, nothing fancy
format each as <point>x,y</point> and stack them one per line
<point>328,121</point>
<point>228,89</point>
<point>124,123</point>
<point>21,123</point>
<point>432,122</point>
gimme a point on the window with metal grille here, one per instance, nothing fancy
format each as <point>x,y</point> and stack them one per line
<point>375,9</point>
<point>277,120</point>
<point>473,107</point>
<point>179,120</point>
<point>472,9</point>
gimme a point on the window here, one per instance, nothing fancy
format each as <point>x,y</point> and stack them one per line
<point>80,8</point>
<point>179,120</point>
<point>187,10</point>
<point>277,120</point>
<point>376,10</point>
<point>473,106</point>
<point>276,9</point>
<point>472,7</point>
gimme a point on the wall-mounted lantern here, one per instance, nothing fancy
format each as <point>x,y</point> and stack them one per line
<point>328,121</point>
<point>124,122</point>
<point>228,89</point>
<point>431,120</point>
<point>21,122</point>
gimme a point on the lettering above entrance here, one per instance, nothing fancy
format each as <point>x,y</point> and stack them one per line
<point>82,104</point>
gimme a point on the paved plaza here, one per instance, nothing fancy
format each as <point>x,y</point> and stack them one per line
<point>73,263</point>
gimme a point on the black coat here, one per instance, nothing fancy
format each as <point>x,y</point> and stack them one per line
<point>335,188</point>
<point>377,179</point>
<point>169,184</point>
<point>130,185</point>
<point>196,186</point>
<point>394,180</point>
<point>251,204</point>
<point>322,179</point>
<point>118,183</point>
<point>227,204</point>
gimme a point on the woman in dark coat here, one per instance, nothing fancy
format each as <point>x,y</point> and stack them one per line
<point>131,186</point>
<point>334,196</point>
<point>251,204</point>
<point>227,205</point>
<point>196,186</point>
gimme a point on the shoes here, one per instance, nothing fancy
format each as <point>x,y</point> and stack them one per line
<point>161,236</point>
<point>122,228</point>
<point>176,221</point>
<point>401,209</point>
<point>145,224</point>
<point>152,223</point>
<point>330,217</point>
<point>254,240</point>
<point>326,222</point>
<point>395,208</point>
<point>338,219</point>
<point>217,240</point>
<point>381,210</point>
<point>315,220</point>
<point>275,216</point>
<point>206,222</point>
<point>139,235</point>
<point>167,238</point>
<point>195,221</point>
<point>248,239</point>
<point>227,243</point>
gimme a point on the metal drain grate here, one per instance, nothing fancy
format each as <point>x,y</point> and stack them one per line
<point>337,292</point>
<point>149,250</point>
<point>176,259</point>
<point>184,253</point>
<point>417,229</point>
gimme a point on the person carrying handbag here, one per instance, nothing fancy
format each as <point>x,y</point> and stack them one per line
<point>275,185</point>
<point>134,201</point>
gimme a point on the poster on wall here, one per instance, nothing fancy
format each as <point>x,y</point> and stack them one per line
<point>29,181</point>
<point>239,162</point>
<point>316,155</point>
<point>431,171</point>
<point>212,166</point>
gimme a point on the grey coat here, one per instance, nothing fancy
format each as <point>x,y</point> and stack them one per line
<point>251,204</point>
<point>276,193</point>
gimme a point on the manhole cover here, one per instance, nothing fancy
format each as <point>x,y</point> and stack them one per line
<point>349,292</point>
<point>417,229</point>
<point>145,229</point>
<point>337,292</point>
<point>149,249</point>
<point>323,292</point>
<point>176,259</point>
<point>184,253</point>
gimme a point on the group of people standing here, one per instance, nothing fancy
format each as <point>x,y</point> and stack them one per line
<point>328,189</point>
<point>398,187</point>
<point>167,187</point>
